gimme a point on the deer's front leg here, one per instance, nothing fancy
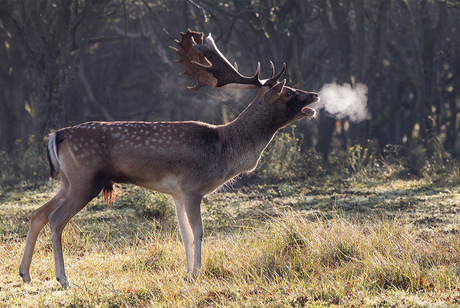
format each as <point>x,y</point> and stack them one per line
<point>186,232</point>
<point>191,227</point>
<point>193,209</point>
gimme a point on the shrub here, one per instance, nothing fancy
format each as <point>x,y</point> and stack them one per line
<point>283,159</point>
<point>154,205</point>
<point>148,204</point>
<point>27,164</point>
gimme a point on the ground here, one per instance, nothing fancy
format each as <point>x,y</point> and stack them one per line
<point>355,241</point>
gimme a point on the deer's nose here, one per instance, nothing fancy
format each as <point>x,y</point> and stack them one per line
<point>314,96</point>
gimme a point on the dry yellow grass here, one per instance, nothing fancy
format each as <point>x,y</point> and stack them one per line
<point>263,251</point>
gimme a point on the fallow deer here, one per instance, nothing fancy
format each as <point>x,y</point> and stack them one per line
<point>186,160</point>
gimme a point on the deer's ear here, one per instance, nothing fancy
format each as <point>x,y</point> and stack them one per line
<point>277,88</point>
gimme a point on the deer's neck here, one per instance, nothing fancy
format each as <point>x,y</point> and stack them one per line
<point>245,138</point>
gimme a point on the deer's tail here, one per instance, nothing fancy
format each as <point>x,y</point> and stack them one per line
<point>53,155</point>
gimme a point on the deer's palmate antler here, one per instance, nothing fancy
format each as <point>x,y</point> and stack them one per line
<point>205,63</point>
<point>186,160</point>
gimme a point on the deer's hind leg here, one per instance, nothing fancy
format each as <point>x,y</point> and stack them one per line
<point>80,194</point>
<point>39,219</point>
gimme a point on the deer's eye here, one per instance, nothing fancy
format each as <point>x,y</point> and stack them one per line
<point>288,94</point>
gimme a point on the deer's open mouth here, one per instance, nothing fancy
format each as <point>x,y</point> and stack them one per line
<point>309,112</point>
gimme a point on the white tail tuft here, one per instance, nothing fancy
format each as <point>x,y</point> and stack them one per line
<point>53,156</point>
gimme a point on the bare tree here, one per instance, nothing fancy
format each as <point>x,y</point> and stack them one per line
<point>53,36</point>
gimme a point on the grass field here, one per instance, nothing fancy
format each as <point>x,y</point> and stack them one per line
<point>355,242</point>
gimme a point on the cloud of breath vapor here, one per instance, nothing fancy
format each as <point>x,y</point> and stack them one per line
<point>345,101</point>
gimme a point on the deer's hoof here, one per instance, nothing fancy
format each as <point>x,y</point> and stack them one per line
<point>64,283</point>
<point>25,277</point>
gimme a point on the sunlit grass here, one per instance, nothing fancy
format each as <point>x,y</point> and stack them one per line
<point>347,243</point>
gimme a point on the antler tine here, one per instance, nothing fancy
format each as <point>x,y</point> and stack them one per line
<point>256,75</point>
<point>273,80</point>
<point>281,72</point>
<point>273,69</point>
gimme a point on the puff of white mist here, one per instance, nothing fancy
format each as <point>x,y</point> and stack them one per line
<point>345,101</point>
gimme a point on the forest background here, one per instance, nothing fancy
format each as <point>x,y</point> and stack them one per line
<point>67,62</point>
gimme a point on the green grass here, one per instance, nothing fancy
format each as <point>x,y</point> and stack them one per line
<point>374,242</point>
